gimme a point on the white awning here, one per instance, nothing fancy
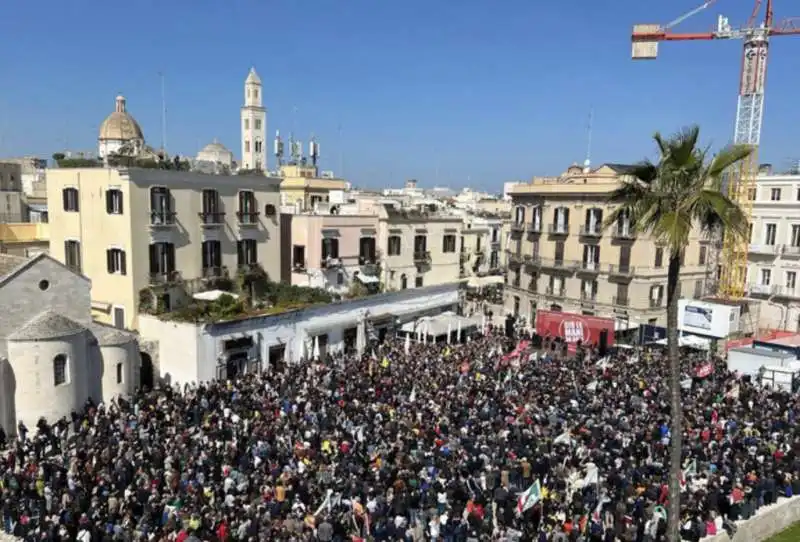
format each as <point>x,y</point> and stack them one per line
<point>690,341</point>
<point>212,295</point>
<point>622,325</point>
<point>37,207</point>
<point>480,282</point>
<point>368,279</point>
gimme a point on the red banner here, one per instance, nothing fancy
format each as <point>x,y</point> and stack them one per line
<point>574,327</point>
<point>521,347</point>
<point>704,370</point>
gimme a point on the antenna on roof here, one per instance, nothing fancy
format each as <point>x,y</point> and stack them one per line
<point>588,162</point>
<point>163,113</point>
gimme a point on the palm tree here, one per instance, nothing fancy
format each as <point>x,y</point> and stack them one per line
<point>669,199</point>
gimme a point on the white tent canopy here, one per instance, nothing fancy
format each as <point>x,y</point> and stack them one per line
<point>690,341</point>
<point>435,326</point>
<point>480,282</point>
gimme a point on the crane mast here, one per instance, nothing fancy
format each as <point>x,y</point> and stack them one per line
<point>747,128</point>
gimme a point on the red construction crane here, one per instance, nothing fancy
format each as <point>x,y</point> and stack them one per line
<point>749,111</point>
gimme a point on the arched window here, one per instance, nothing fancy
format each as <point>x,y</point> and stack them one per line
<point>403,281</point>
<point>60,370</point>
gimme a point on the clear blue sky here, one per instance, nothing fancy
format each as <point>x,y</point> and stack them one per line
<point>488,91</point>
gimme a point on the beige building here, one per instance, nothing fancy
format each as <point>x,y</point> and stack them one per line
<point>561,258</point>
<point>481,245</point>
<point>420,246</point>
<point>332,251</point>
<point>140,234</point>
<point>302,188</point>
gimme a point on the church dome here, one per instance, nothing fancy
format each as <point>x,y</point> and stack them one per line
<point>215,152</point>
<point>120,125</point>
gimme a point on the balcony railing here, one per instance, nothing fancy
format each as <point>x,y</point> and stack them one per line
<point>215,272</point>
<point>534,227</point>
<point>591,231</point>
<point>558,229</point>
<point>623,233</point>
<point>533,286</point>
<point>567,265</point>
<point>517,227</point>
<point>162,218</point>
<point>763,249</point>
<point>620,301</point>
<point>790,250</point>
<point>557,291</point>
<point>247,267</point>
<point>366,260</point>
<point>785,291</point>
<point>211,219</point>
<point>656,303</point>
<point>621,270</point>
<point>330,263</point>
<point>515,257</point>
<point>422,256</point>
<point>590,267</point>
<point>247,218</point>
<point>532,260</point>
<point>164,277</point>
<point>589,296</point>
<point>761,289</point>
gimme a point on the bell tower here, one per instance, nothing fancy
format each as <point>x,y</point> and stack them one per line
<point>254,125</point>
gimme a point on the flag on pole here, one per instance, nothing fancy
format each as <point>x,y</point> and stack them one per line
<point>528,498</point>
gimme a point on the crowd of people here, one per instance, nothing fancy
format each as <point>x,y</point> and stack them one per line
<point>488,440</point>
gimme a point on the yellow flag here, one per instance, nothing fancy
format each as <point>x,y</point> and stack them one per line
<point>385,362</point>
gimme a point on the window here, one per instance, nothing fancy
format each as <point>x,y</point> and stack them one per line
<point>496,233</point>
<point>494,260</point>
<point>258,124</point>
<point>791,280</point>
<point>119,373</point>
<point>420,244</point>
<point>366,250</point>
<point>212,257</point>
<point>591,257</point>
<point>246,146</point>
<point>659,261</point>
<point>795,240</point>
<point>657,295</point>
<point>449,243</point>
<point>750,230</point>
<point>114,201</point>
<point>247,121</point>
<point>258,147</point>
<point>477,244</point>
<point>766,276</point>
<point>162,260</point>
<point>246,252</point>
<point>248,211</point>
<point>516,305</point>
<point>594,221</point>
<point>519,215</point>
<point>775,194</point>
<point>702,258</point>
<point>299,257</point>
<point>115,261</point>
<point>211,214</point>
<point>537,220</point>
<point>698,289</point>
<point>60,370</point>
<point>340,278</point>
<point>561,220</point>
<point>255,94</point>
<point>622,295</point>
<point>394,245</point>
<point>72,255</point>
<point>330,248</point>
<point>588,289</point>
<point>70,199</point>
<point>161,206</point>
<point>403,281</point>
<point>559,251</point>
<point>751,194</point>
<point>532,312</point>
<point>418,281</point>
<point>770,232</point>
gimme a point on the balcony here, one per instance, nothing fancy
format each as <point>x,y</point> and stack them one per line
<point>565,265</point>
<point>534,228</point>
<point>164,277</point>
<point>621,270</point>
<point>620,301</point>
<point>299,266</point>
<point>589,267</point>
<point>211,220</point>
<point>656,303</point>
<point>623,233</point>
<point>556,291</point>
<point>517,227</point>
<point>591,231</point>
<point>247,218</point>
<point>761,289</point>
<point>422,256</point>
<point>215,272</point>
<point>330,263</point>
<point>515,258</point>
<point>558,229</point>
<point>770,250</point>
<point>533,286</point>
<point>162,219</point>
<point>588,297</point>
<point>532,261</point>
<point>250,267</point>
<point>793,251</point>
<point>785,291</point>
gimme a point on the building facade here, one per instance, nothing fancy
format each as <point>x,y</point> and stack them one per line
<point>253,125</point>
<point>302,189</point>
<point>560,257</point>
<point>774,251</point>
<point>53,356</point>
<point>481,245</point>
<point>419,246</point>
<point>138,233</point>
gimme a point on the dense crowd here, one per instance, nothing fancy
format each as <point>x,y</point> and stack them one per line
<point>451,443</point>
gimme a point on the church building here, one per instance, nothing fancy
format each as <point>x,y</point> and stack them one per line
<point>254,125</point>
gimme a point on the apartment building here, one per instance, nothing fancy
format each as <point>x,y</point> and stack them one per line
<point>420,246</point>
<point>561,258</point>
<point>774,252</point>
<point>143,233</point>
<point>481,244</point>
<point>331,250</point>
<point>302,188</point>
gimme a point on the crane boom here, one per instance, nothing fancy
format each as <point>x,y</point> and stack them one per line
<point>749,114</point>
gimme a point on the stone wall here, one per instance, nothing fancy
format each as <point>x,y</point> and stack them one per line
<point>770,521</point>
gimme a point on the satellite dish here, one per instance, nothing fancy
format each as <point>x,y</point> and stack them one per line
<point>269,210</point>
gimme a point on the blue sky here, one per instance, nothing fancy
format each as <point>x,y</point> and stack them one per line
<point>449,92</point>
